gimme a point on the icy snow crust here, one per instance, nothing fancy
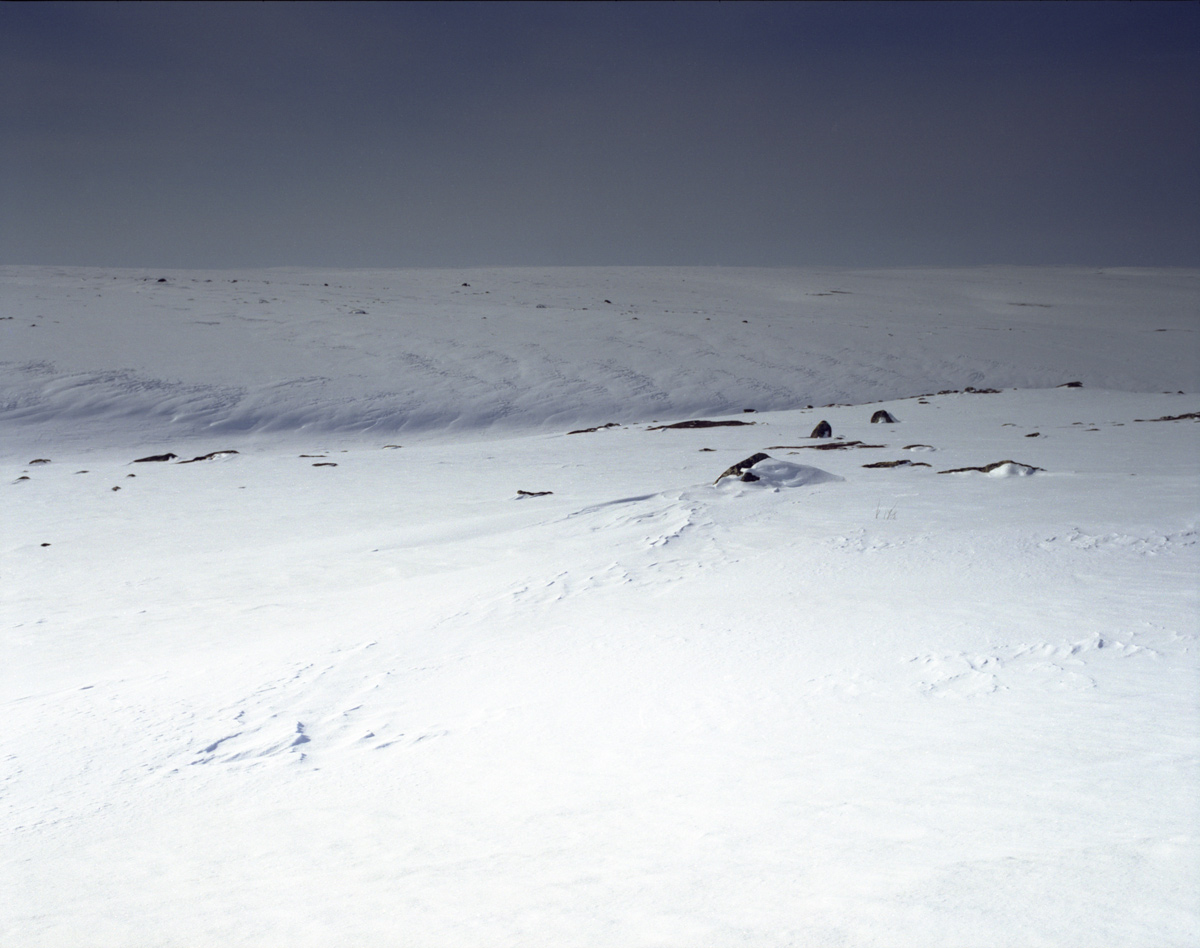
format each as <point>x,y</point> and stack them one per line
<point>256,701</point>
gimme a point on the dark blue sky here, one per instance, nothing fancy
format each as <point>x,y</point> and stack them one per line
<point>211,135</point>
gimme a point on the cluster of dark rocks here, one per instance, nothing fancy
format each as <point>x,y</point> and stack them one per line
<point>741,470</point>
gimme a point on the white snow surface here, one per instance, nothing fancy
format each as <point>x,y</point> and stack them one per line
<point>341,688</point>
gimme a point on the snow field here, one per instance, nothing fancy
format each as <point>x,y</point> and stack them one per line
<point>253,701</point>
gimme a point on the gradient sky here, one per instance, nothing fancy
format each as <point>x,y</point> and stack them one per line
<point>379,135</point>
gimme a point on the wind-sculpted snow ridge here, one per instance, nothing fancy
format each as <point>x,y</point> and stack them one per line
<point>108,355</point>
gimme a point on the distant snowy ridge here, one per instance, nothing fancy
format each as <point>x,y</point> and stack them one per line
<point>108,355</point>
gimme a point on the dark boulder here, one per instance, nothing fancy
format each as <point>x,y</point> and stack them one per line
<point>156,457</point>
<point>822,431</point>
<point>882,417</point>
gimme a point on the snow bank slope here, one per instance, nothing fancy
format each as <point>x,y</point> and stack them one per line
<point>110,355</point>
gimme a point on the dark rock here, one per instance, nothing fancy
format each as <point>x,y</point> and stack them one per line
<point>742,468</point>
<point>611,424</point>
<point>1034,434</point>
<point>822,431</point>
<point>832,446</point>
<point>1190,416</point>
<point>325,464</point>
<point>840,445</point>
<point>988,468</point>
<point>700,424</point>
<point>210,456</point>
<point>1071,385</point>
<point>40,461</point>
<point>882,417</point>
<point>156,457</point>
<point>45,544</point>
<point>982,391</point>
<point>903,463</point>
<point>534,493</point>
<point>116,488</point>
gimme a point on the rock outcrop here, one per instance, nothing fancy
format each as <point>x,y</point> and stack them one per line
<point>742,468</point>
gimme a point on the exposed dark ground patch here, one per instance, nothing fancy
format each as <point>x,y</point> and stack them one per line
<point>831,446</point>
<point>700,424</point>
<point>988,468</point>
<point>611,424</point>
<point>212,455</point>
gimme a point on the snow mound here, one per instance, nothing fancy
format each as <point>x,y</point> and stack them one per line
<point>772,472</point>
<point>1012,469</point>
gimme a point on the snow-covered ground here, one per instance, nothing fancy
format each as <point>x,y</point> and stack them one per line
<point>348,686</point>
